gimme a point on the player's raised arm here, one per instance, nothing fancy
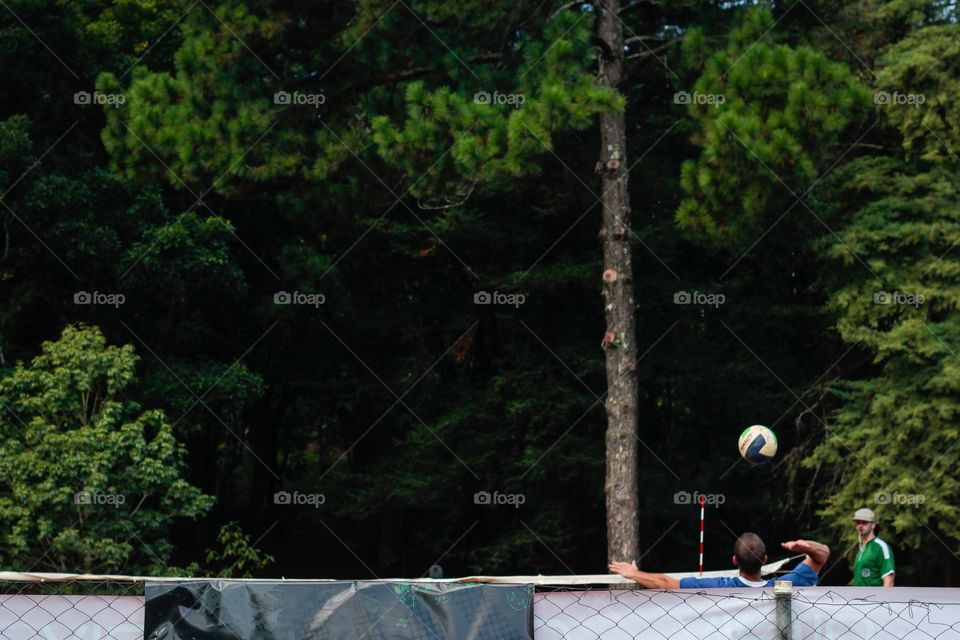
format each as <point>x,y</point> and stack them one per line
<point>648,580</point>
<point>817,553</point>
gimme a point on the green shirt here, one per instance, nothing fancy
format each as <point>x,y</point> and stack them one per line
<point>873,562</point>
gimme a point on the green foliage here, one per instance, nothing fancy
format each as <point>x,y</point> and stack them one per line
<point>207,114</point>
<point>490,141</point>
<point>90,481</point>
<point>16,149</point>
<point>390,121</point>
<point>208,196</point>
<point>920,85</point>
<point>891,435</point>
<point>235,558</point>
<point>776,114</point>
<point>185,256</point>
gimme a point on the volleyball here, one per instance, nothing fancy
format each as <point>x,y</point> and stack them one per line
<point>758,444</point>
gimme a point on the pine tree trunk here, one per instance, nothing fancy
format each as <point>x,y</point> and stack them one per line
<point>619,341</point>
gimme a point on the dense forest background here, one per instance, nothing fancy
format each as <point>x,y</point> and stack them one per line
<point>246,249</point>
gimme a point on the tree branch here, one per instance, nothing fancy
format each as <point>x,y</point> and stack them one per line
<point>450,203</point>
<point>642,38</point>
<point>647,55</point>
<point>564,7</point>
<point>652,52</point>
<point>410,74</point>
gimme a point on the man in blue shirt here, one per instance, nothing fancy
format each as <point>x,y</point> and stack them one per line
<point>749,555</point>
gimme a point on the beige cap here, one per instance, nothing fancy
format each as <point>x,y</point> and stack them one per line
<point>866,515</point>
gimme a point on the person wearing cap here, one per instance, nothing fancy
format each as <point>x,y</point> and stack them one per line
<point>873,566</point>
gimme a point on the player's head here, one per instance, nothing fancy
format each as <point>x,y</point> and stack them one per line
<point>866,522</point>
<point>749,553</point>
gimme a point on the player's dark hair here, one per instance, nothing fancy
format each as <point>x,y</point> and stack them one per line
<point>749,550</point>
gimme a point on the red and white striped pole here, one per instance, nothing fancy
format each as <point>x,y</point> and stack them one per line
<point>703,502</point>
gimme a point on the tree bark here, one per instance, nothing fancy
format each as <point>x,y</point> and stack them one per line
<point>619,341</point>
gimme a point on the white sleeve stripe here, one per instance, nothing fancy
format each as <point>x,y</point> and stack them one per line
<point>888,573</point>
<point>885,547</point>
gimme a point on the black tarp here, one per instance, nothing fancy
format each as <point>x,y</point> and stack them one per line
<point>280,610</point>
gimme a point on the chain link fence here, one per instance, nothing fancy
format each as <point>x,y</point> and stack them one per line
<point>73,610</point>
<point>825,613</point>
<point>722,614</point>
<point>111,609</point>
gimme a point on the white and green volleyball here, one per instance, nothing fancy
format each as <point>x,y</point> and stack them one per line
<point>758,444</point>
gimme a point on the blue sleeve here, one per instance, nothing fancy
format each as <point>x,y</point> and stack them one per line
<point>802,576</point>
<point>707,583</point>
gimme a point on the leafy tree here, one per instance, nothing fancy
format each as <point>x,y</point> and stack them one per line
<point>917,90</point>
<point>91,481</point>
<point>888,445</point>
<point>321,178</point>
<point>770,117</point>
<point>237,557</point>
<point>201,196</point>
<point>887,440</point>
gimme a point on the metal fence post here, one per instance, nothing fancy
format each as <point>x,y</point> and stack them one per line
<point>783,596</point>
